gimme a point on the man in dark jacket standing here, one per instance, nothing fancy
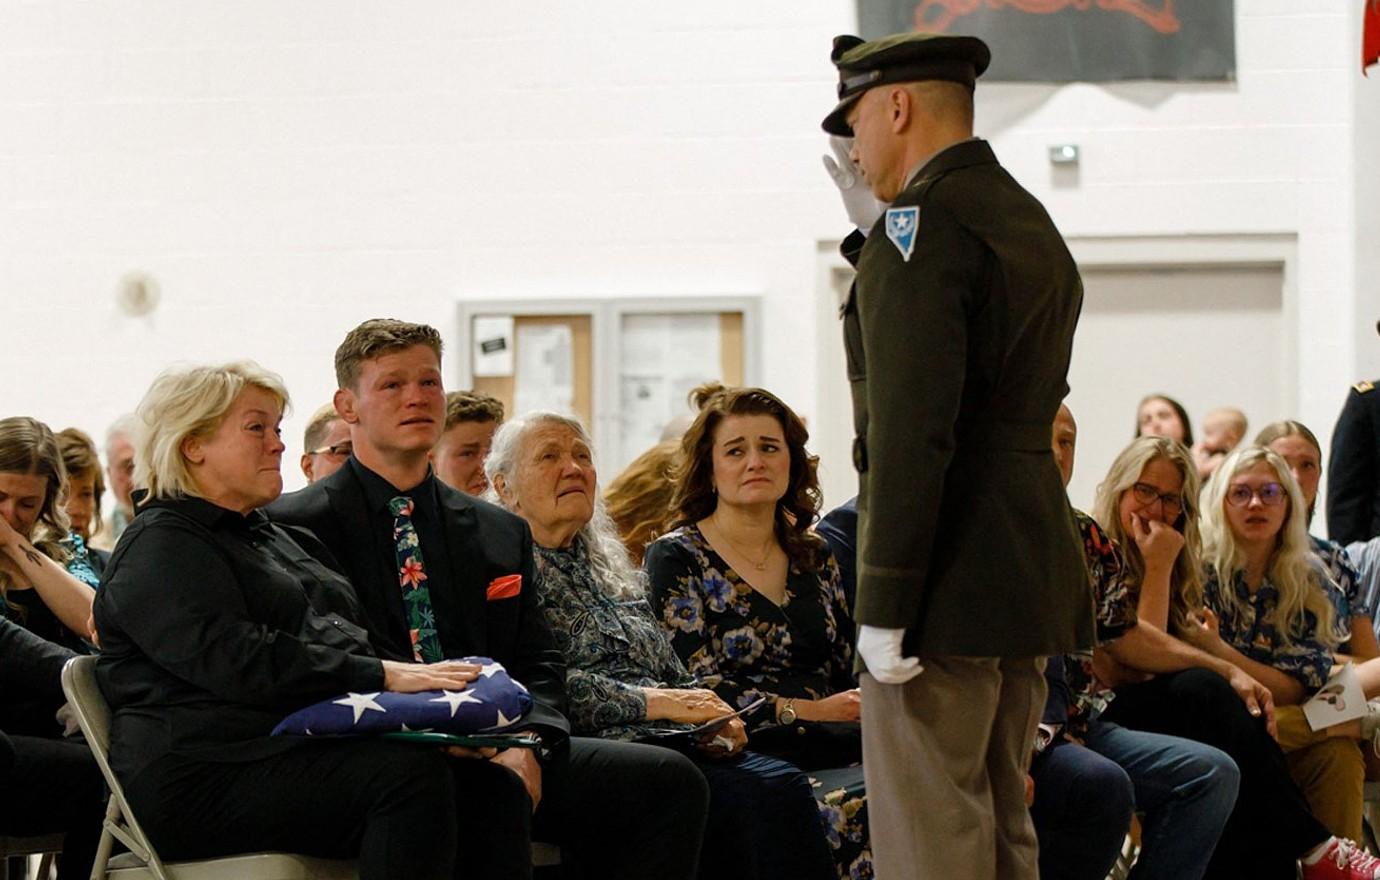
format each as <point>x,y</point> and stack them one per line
<point>958,334</point>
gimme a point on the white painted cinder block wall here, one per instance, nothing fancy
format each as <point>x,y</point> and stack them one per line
<point>288,169</point>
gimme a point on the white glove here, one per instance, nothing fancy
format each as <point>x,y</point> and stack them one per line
<point>862,207</point>
<point>881,651</point>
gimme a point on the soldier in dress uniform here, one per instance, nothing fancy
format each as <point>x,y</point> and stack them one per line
<point>1353,470</point>
<point>958,334</point>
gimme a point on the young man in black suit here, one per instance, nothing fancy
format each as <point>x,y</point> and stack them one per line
<point>441,574</point>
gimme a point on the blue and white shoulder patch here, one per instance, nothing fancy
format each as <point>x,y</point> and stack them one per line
<point>901,224</point>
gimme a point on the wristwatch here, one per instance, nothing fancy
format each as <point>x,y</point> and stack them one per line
<point>786,715</point>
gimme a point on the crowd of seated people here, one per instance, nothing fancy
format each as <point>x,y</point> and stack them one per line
<point>686,640</point>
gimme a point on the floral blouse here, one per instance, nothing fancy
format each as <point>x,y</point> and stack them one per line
<point>612,648</point>
<point>742,644</point>
<point>1114,613</point>
<point>1245,627</point>
<point>1344,575</point>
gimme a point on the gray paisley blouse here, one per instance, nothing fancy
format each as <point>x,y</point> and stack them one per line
<point>613,649</point>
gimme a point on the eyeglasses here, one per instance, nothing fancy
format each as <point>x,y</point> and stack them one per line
<point>1270,495</point>
<point>341,449</point>
<point>1146,494</point>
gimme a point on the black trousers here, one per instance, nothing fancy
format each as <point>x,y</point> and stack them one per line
<point>53,787</point>
<point>764,822</point>
<point>625,811</point>
<point>403,810</point>
<point>1271,826</point>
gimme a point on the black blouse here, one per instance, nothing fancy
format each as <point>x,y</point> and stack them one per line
<point>213,627</point>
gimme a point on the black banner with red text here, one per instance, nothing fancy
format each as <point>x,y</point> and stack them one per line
<point>1077,40</point>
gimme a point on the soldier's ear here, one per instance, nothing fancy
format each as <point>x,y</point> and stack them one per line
<point>900,107</point>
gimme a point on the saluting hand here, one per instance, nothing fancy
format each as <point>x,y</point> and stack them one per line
<point>860,204</point>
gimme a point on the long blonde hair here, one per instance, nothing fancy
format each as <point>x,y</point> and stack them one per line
<point>1185,582</point>
<point>1292,570</point>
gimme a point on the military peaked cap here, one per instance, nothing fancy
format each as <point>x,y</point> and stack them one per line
<point>911,57</point>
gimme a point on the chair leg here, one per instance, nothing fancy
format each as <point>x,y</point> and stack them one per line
<point>1368,826</point>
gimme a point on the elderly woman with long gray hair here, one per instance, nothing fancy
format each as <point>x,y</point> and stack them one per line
<point>624,680</point>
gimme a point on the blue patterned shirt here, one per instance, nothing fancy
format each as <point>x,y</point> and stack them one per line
<point>1348,581</point>
<point>1245,627</point>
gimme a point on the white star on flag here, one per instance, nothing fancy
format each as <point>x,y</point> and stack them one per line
<point>503,720</point>
<point>360,702</point>
<point>455,699</point>
<point>489,669</point>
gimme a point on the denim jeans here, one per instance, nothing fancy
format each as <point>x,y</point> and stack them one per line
<point>1271,825</point>
<point>1185,791</point>
<point>1082,809</point>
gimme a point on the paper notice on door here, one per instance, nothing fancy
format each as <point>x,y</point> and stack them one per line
<point>1341,699</point>
<point>545,369</point>
<point>663,358</point>
<point>493,345</point>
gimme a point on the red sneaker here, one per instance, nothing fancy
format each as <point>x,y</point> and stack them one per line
<point>1342,860</point>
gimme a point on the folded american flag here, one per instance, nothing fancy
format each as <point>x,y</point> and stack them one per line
<point>492,702</point>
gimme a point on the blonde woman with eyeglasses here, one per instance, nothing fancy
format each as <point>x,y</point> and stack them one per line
<point>1273,611</point>
<point>1148,506</point>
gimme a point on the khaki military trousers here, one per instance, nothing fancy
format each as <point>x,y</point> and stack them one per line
<point>945,758</point>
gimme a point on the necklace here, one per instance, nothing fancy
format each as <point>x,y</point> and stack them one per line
<point>766,546</point>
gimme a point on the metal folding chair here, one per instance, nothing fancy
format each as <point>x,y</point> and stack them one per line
<point>142,862</point>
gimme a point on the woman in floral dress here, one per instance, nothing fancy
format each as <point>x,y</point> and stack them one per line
<point>753,601</point>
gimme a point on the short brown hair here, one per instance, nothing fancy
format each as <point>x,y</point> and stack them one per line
<point>472,406</point>
<point>379,336</point>
<point>695,499</point>
<point>80,459</point>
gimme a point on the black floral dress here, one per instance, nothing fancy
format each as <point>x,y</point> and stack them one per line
<point>744,646</point>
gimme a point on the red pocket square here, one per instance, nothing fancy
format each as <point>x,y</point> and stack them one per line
<point>505,587</point>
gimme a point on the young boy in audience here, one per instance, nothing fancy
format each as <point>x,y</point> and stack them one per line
<point>458,457</point>
<point>1223,430</point>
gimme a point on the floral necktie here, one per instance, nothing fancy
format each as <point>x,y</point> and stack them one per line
<point>421,619</point>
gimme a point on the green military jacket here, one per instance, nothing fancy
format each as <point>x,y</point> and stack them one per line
<point>958,331</point>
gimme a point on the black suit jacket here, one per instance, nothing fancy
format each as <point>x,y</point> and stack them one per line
<point>1353,471</point>
<point>30,681</point>
<point>483,542</point>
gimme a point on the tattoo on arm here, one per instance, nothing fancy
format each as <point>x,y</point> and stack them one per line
<point>31,554</point>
